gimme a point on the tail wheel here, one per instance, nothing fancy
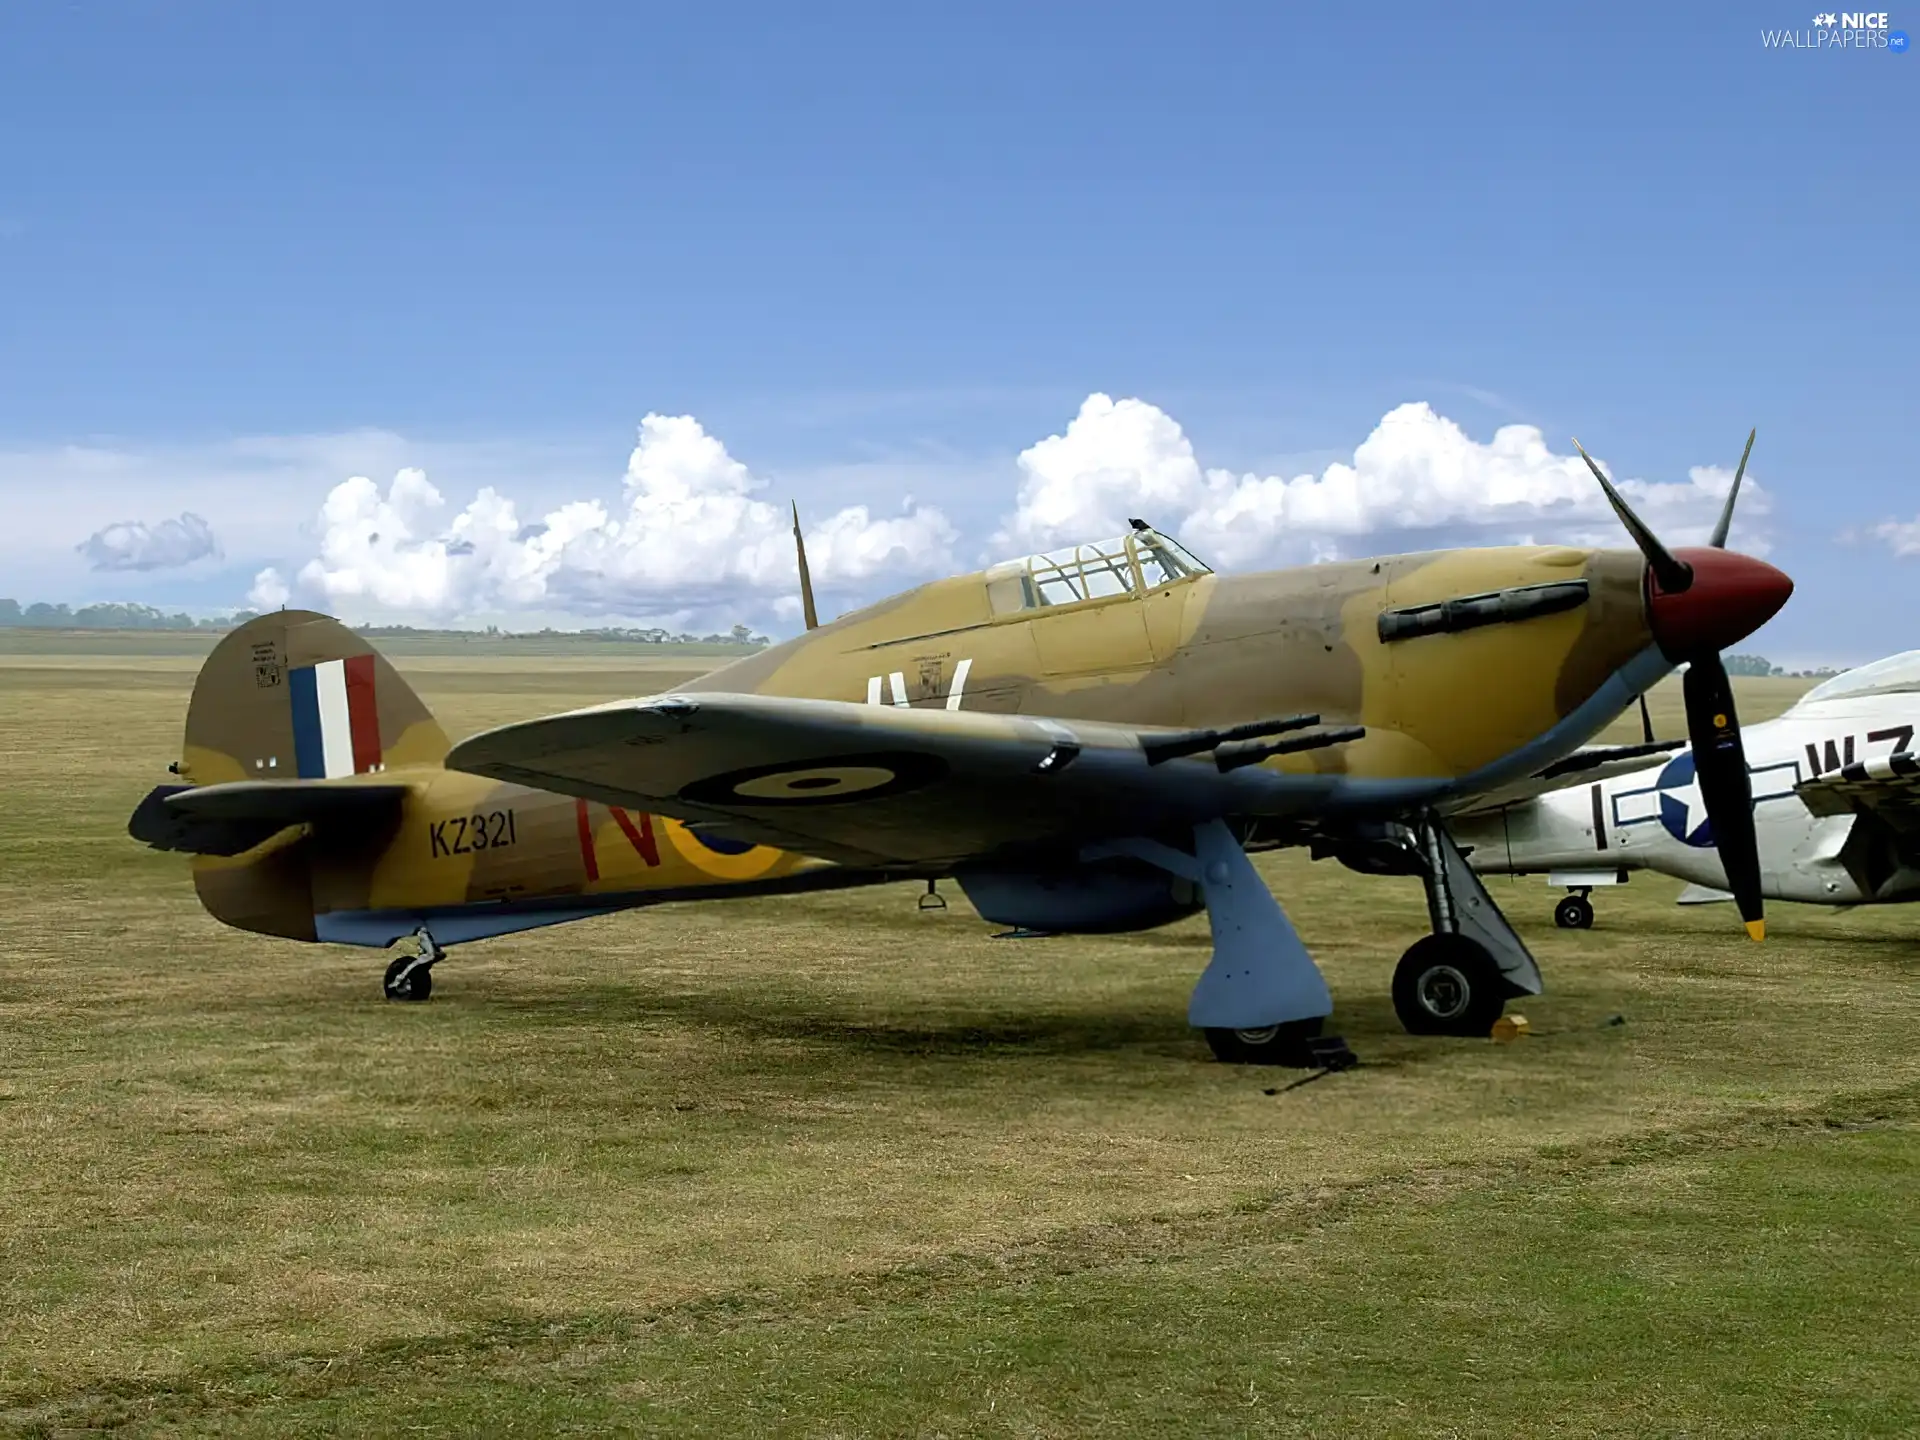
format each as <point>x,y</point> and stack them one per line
<point>404,984</point>
<point>1269,1045</point>
<point>1448,985</point>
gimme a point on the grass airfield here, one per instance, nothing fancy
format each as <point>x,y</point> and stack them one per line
<point>828,1165</point>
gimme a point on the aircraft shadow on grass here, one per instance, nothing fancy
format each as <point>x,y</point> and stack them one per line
<point>1151,1031</point>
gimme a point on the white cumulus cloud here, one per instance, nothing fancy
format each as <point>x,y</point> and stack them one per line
<point>692,538</point>
<point>689,538</point>
<point>269,590</point>
<point>135,545</point>
<point>1417,480</point>
<point>1901,536</point>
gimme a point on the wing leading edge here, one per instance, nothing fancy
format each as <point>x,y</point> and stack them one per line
<point>893,786</point>
<point>1583,767</point>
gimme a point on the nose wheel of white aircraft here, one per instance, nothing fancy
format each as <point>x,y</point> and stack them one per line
<point>1448,985</point>
<point>411,976</point>
<point>1574,913</point>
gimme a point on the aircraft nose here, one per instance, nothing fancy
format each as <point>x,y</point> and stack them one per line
<point>1731,596</point>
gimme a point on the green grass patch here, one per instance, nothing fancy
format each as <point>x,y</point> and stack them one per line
<point>829,1165</point>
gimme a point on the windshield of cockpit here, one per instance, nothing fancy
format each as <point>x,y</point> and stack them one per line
<point>1892,675</point>
<point>1130,564</point>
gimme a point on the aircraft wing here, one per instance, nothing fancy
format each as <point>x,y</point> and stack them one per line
<point>884,785</point>
<point>1583,767</point>
<point>1887,788</point>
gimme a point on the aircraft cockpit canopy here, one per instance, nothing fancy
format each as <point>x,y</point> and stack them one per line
<point>1132,564</point>
<point>1893,675</point>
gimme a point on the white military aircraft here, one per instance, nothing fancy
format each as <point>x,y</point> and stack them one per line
<point>1836,795</point>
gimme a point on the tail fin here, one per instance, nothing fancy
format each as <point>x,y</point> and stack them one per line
<point>297,695</point>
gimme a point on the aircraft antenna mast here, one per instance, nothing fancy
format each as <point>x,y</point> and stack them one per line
<point>806,580</point>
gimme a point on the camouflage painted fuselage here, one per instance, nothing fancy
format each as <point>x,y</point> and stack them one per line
<point>1219,649</point>
<point>473,857</point>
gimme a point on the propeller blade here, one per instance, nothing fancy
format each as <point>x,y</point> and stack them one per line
<point>1719,540</point>
<point>1720,767</point>
<point>1672,574</point>
<point>1646,720</point>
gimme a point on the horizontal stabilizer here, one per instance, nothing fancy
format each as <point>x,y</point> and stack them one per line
<point>229,819</point>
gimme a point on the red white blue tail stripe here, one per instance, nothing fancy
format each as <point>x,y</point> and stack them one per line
<point>336,725</point>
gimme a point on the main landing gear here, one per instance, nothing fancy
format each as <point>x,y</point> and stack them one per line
<point>1457,980</point>
<point>1575,912</point>
<point>1261,999</point>
<point>411,976</point>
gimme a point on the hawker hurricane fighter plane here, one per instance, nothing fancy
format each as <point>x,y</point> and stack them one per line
<point>1087,740</point>
<point>1836,794</point>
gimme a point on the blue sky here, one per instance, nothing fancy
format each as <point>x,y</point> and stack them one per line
<point>247,252</point>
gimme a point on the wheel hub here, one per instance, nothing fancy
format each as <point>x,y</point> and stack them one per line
<point>1261,1036</point>
<point>1444,992</point>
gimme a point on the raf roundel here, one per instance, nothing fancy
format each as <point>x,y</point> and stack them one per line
<point>829,780</point>
<point>720,858</point>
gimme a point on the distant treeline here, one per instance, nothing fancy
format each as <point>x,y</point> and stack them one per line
<point>738,635</point>
<point>110,617</point>
<point>1759,665</point>
<point>43,616</point>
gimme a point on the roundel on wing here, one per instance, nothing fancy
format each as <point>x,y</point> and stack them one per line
<point>1681,812</point>
<point>829,780</point>
<point>720,858</point>
<point>719,844</point>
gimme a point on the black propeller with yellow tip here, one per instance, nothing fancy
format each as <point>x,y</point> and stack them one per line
<point>1700,600</point>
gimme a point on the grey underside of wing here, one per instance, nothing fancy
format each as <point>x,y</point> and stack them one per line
<point>975,786</point>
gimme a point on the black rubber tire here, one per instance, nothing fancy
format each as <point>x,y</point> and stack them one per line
<point>1448,985</point>
<point>1574,913</point>
<point>1270,1045</point>
<point>417,986</point>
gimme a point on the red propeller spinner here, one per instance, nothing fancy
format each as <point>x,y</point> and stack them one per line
<point>1699,601</point>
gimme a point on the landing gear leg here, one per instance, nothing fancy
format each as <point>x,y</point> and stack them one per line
<point>1457,980</point>
<point>1576,911</point>
<point>1261,998</point>
<point>411,976</point>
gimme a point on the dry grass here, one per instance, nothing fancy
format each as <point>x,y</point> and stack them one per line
<point>615,1172</point>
